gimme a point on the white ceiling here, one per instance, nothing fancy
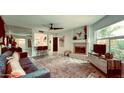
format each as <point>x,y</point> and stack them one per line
<point>38,21</point>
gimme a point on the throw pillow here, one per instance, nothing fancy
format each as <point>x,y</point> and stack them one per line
<point>16,68</point>
<point>108,56</point>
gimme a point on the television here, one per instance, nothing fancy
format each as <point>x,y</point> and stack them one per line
<point>99,48</point>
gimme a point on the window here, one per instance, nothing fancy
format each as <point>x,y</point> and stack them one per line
<point>117,48</point>
<point>111,31</point>
<point>113,37</point>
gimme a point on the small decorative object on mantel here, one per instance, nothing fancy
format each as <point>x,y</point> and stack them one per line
<point>79,34</point>
<point>85,36</point>
<point>74,38</point>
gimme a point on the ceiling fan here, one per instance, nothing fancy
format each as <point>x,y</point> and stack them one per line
<point>50,27</point>
<point>54,28</point>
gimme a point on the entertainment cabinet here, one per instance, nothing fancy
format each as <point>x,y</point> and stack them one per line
<point>110,67</point>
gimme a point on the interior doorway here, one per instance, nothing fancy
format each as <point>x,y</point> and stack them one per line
<point>55,44</point>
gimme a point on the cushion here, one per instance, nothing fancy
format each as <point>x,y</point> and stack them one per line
<point>29,68</point>
<point>3,61</point>
<point>23,55</point>
<point>4,49</point>
<point>7,54</point>
<point>108,55</point>
<point>25,61</point>
<point>16,69</point>
<point>27,65</point>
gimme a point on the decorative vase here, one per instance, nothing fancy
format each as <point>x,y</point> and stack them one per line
<point>74,38</point>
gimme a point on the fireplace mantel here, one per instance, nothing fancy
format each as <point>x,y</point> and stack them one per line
<point>79,41</point>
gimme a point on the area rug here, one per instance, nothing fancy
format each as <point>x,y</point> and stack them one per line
<point>67,67</point>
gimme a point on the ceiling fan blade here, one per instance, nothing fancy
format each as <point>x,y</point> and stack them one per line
<point>58,28</point>
<point>41,31</point>
<point>54,28</point>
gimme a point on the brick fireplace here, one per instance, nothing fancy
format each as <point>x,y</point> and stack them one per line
<point>79,48</point>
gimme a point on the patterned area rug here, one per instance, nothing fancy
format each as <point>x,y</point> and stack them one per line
<point>66,67</point>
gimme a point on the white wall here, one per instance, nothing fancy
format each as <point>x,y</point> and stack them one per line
<point>50,44</point>
<point>90,39</point>
<point>68,43</point>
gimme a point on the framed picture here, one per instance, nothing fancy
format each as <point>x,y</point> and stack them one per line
<point>61,41</point>
<point>29,43</point>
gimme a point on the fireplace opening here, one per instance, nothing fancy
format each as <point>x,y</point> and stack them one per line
<point>80,49</point>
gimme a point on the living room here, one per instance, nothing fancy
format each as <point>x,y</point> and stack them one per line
<point>65,42</point>
<point>89,53</point>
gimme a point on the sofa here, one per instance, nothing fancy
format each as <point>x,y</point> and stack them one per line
<point>30,69</point>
